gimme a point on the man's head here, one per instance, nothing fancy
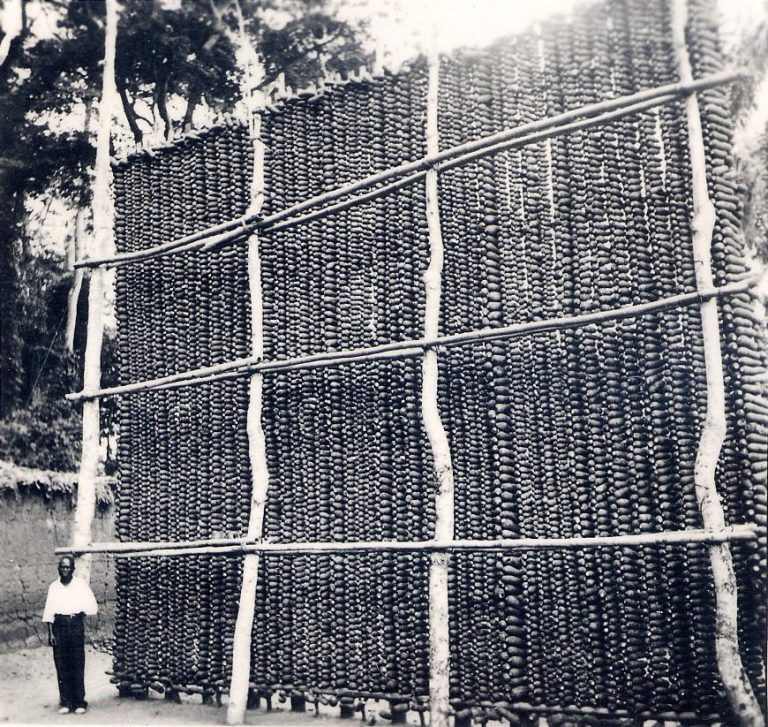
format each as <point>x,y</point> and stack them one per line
<point>66,568</point>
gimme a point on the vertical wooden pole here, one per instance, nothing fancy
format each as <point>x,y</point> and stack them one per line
<point>729,661</point>
<point>439,645</point>
<point>102,245</point>
<point>241,650</point>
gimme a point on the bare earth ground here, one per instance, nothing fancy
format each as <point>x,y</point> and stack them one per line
<point>30,696</point>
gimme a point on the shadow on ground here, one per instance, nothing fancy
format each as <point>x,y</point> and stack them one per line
<point>30,696</point>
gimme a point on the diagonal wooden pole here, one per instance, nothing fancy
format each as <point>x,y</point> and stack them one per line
<point>413,347</point>
<point>102,244</point>
<point>439,642</point>
<point>729,661</point>
<point>591,115</point>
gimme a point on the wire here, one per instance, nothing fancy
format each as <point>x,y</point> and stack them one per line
<point>45,359</point>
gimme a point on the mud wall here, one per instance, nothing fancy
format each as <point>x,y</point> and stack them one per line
<point>33,522</point>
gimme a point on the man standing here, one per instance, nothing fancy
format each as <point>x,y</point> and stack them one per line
<point>69,600</point>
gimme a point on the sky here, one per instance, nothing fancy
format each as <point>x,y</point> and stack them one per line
<point>399,24</point>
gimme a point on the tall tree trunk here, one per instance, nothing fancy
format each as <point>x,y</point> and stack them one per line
<point>15,23</point>
<point>101,246</point>
<point>10,352</point>
<point>74,252</point>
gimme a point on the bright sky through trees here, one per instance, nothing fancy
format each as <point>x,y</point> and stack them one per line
<point>401,25</point>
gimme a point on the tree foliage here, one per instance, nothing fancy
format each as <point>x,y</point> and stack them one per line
<point>42,431</point>
<point>751,51</point>
<point>185,53</point>
<point>174,58</point>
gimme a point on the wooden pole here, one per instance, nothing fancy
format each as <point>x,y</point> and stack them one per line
<point>268,224</point>
<point>729,661</point>
<point>241,650</point>
<point>277,221</point>
<point>608,110</point>
<point>415,347</point>
<point>439,643</point>
<point>596,713</point>
<point>223,546</point>
<point>102,243</point>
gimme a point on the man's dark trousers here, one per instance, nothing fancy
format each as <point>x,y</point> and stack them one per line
<point>69,657</point>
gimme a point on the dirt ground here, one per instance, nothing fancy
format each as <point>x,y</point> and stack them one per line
<point>30,696</point>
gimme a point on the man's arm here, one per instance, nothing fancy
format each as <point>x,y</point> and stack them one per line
<point>48,617</point>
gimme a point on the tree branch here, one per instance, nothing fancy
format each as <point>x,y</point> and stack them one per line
<point>296,58</point>
<point>145,119</point>
<point>195,94</point>
<point>161,89</point>
<point>130,114</point>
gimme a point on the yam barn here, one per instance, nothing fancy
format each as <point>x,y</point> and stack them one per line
<point>444,388</point>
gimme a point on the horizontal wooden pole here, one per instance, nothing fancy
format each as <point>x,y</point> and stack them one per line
<point>224,547</point>
<point>405,349</point>
<point>466,158</point>
<point>266,225</point>
<point>236,228</point>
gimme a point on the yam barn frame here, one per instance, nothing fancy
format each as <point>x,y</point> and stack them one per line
<point>529,277</point>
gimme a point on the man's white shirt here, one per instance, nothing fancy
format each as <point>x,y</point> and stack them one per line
<point>75,597</point>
